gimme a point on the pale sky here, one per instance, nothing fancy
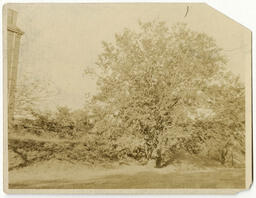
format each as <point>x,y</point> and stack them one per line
<point>61,40</point>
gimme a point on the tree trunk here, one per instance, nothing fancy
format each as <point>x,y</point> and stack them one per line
<point>159,159</point>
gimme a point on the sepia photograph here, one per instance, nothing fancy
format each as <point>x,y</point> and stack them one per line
<point>126,98</point>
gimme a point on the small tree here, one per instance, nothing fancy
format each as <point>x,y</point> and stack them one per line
<point>30,93</point>
<point>226,129</point>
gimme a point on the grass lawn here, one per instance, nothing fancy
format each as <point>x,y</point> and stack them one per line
<point>217,178</point>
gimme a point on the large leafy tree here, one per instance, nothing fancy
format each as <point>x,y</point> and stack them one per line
<point>153,81</point>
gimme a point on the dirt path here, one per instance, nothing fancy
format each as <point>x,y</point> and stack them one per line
<point>70,176</point>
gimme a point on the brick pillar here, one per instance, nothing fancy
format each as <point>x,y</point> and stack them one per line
<point>13,45</point>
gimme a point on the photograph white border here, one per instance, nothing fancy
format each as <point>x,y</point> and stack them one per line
<point>241,11</point>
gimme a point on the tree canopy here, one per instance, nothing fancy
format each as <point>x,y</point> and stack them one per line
<point>157,82</point>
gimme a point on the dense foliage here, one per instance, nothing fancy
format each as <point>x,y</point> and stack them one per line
<point>168,88</point>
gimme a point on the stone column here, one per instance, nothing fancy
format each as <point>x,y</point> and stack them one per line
<point>13,45</point>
